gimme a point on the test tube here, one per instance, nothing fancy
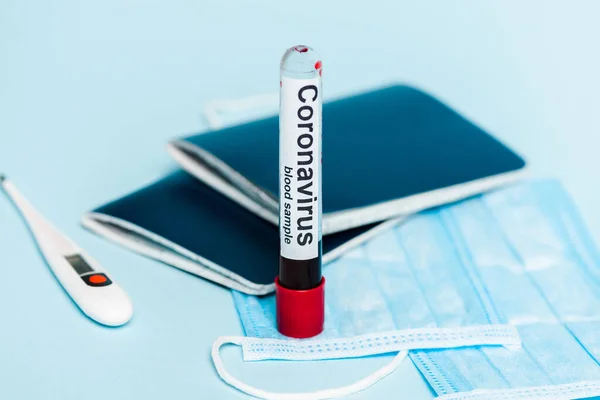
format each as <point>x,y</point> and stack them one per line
<point>300,285</point>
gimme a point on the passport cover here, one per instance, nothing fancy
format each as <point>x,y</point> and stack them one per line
<point>386,153</point>
<point>184,223</point>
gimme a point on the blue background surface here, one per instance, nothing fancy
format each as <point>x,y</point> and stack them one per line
<point>90,92</point>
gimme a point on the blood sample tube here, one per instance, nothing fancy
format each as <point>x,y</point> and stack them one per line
<point>300,285</point>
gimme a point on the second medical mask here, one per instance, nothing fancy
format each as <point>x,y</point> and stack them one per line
<point>541,270</point>
<point>407,288</point>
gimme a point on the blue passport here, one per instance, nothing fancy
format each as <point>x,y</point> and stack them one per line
<point>182,222</point>
<point>386,153</point>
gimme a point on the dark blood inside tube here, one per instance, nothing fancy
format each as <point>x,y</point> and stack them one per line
<point>300,274</point>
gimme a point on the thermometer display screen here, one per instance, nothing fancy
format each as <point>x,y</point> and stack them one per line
<point>79,264</point>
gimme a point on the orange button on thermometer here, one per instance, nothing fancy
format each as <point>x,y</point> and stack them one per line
<point>97,279</point>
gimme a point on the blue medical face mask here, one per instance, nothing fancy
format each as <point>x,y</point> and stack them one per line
<point>393,294</point>
<point>223,113</point>
<point>528,249</point>
<point>407,288</point>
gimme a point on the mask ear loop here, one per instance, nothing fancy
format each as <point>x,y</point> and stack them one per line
<point>214,109</point>
<point>318,395</point>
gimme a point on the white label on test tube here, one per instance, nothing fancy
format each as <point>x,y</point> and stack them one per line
<point>300,167</point>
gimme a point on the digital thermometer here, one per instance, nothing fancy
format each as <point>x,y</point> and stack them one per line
<point>88,284</point>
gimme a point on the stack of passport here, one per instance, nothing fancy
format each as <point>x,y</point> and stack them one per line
<point>387,153</point>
